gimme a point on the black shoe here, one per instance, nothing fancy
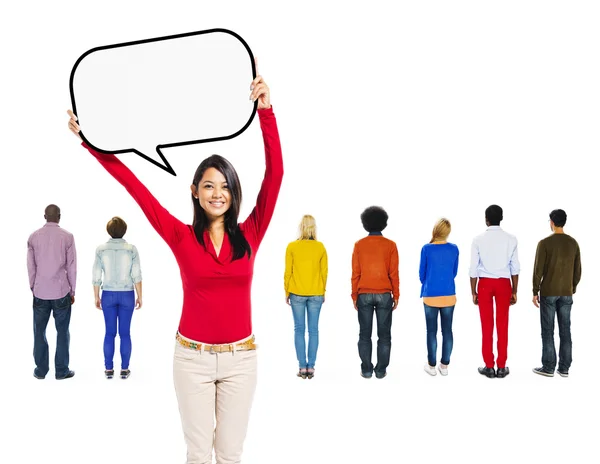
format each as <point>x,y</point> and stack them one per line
<point>542,371</point>
<point>125,373</point>
<point>39,377</point>
<point>366,375</point>
<point>380,376</point>
<point>502,372</point>
<point>487,371</point>
<point>68,376</point>
<point>563,373</point>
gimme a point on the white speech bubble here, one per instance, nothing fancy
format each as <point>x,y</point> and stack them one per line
<point>164,92</point>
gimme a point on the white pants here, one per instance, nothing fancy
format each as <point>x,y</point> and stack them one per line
<point>209,386</point>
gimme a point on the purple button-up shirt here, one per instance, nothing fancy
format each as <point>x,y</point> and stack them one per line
<point>51,262</point>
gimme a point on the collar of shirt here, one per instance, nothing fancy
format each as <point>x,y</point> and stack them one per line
<point>116,240</point>
<point>51,224</point>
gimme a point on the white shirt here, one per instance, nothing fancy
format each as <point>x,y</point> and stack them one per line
<point>494,254</point>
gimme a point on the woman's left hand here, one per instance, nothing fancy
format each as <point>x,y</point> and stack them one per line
<point>260,92</point>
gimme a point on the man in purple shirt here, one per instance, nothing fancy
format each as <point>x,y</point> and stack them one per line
<point>52,266</point>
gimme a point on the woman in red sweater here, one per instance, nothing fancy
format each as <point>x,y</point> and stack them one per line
<point>214,363</point>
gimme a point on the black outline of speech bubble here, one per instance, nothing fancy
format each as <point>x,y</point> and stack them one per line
<point>167,167</point>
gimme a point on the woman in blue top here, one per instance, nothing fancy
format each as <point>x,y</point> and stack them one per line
<point>120,263</point>
<point>439,264</point>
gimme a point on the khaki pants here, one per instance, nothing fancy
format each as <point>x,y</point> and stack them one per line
<point>209,386</point>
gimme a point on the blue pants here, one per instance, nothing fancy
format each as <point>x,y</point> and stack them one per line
<point>117,306</point>
<point>379,304</point>
<point>306,308</point>
<point>61,310</point>
<point>431,319</point>
<point>561,307</point>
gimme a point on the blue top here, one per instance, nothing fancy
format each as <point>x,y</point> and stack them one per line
<point>438,268</point>
<point>120,263</point>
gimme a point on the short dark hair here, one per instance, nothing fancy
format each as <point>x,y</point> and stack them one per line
<point>493,214</point>
<point>52,213</point>
<point>374,219</point>
<point>116,227</point>
<point>558,217</point>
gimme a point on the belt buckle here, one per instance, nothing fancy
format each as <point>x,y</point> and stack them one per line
<point>212,349</point>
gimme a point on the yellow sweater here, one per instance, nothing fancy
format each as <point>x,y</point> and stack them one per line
<point>305,268</point>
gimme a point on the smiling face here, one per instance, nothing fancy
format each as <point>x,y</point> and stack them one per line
<point>213,193</point>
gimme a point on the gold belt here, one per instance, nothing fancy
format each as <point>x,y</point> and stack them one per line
<point>225,348</point>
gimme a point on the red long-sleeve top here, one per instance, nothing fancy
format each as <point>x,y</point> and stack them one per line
<point>216,291</point>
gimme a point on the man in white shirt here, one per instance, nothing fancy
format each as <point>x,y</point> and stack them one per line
<point>495,262</point>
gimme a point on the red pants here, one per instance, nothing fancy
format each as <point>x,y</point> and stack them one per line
<point>489,290</point>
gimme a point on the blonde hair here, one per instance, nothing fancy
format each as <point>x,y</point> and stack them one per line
<point>308,228</point>
<point>441,230</point>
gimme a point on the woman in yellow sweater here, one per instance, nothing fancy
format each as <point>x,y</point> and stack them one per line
<point>304,282</point>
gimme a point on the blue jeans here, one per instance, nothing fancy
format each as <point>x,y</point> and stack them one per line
<point>381,304</point>
<point>431,319</point>
<point>117,306</point>
<point>61,310</point>
<point>306,308</point>
<point>561,306</point>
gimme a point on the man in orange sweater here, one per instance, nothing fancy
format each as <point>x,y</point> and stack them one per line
<point>375,289</point>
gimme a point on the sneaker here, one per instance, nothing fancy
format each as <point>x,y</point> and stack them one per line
<point>430,369</point>
<point>542,371</point>
<point>367,375</point>
<point>109,373</point>
<point>380,376</point>
<point>125,373</point>
<point>68,376</point>
<point>563,374</point>
<point>443,370</point>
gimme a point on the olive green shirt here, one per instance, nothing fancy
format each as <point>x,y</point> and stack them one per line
<point>557,267</point>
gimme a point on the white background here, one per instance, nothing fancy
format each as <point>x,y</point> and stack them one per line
<point>428,109</point>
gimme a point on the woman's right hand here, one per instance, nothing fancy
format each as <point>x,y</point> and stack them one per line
<point>73,126</point>
<point>98,304</point>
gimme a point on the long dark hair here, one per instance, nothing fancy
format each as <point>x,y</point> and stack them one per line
<point>239,243</point>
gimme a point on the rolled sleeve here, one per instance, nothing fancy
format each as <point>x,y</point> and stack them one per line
<point>474,260</point>
<point>136,269</point>
<point>97,270</point>
<point>514,265</point>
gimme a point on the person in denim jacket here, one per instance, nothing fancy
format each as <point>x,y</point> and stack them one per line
<point>119,261</point>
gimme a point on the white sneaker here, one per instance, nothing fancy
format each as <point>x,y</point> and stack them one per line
<point>430,369</point>
<point>443,370</point>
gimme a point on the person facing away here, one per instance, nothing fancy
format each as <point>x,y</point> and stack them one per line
<point>556,274</point>
<point>375,289</point>
<point>304,282</point>
<point>52,267</point>
<point>437,270</point>
<point>215,358</point>
<point>494,273</point>
<point>117,270</point>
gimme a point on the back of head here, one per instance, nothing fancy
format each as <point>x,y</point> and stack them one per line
<point>441,230</point>
<point>52,213</point>
<point>374,219</point>
<point>558,217</point>
<point>308,228</point>
<point>493,215</point>
<point>116,227</point>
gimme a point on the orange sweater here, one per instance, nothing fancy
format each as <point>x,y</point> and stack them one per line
<point>375,267</point>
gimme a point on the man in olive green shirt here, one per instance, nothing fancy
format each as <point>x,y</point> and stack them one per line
<point>556,273</point>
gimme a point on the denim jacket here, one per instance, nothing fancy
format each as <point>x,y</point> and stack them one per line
<point>120,262</point>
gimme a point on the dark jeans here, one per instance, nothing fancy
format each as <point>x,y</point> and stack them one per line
<point>561,306</point>
<point>117,307</point>
<point>381,304</point>
<point>431,319</point>
<point>61,310</point>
